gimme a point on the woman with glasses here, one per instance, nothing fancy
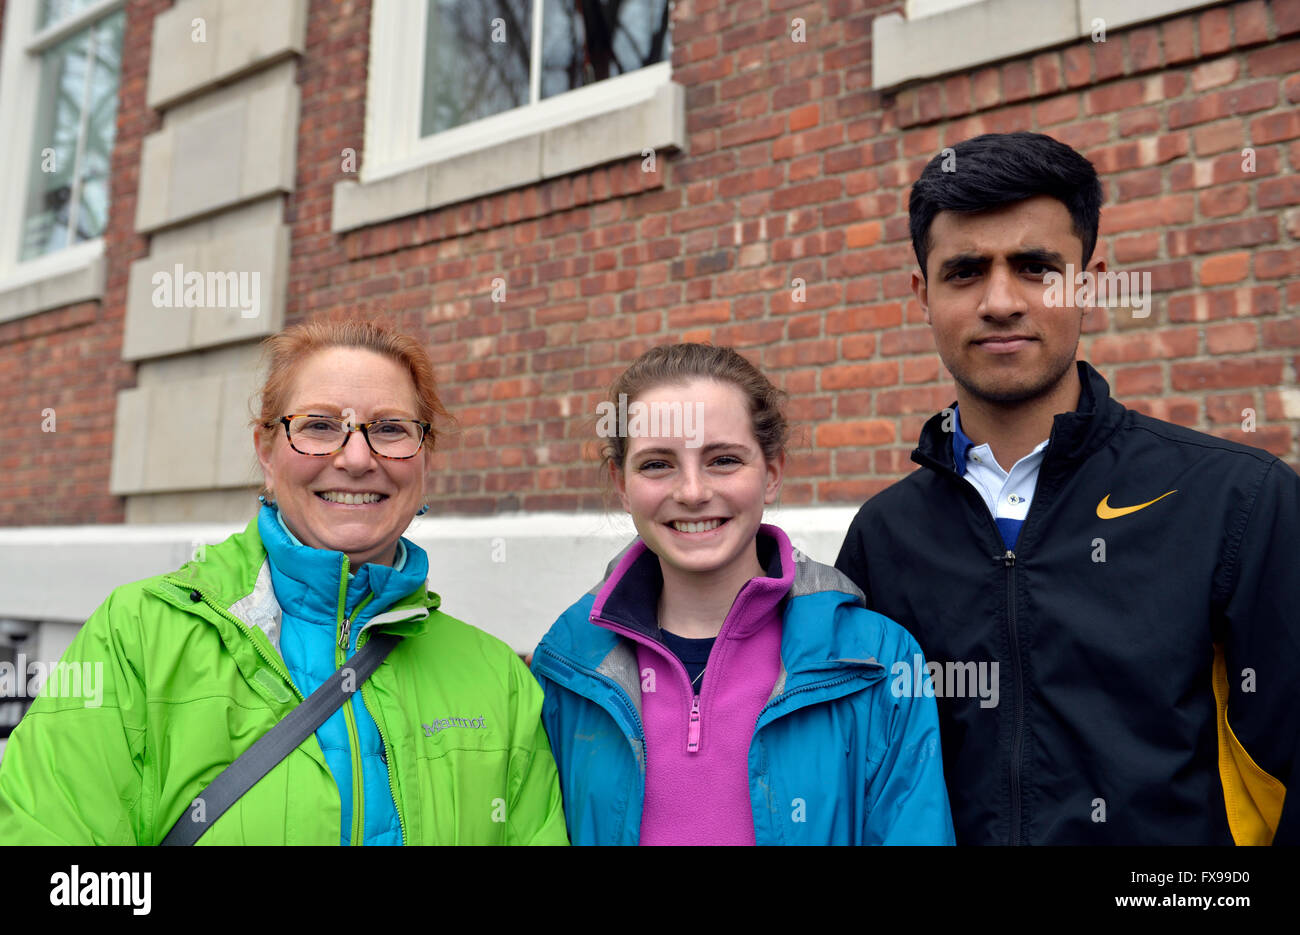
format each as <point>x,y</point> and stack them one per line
<point>442,744</point>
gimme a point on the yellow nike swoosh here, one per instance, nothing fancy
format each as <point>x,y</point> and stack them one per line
<point>1106,511</point>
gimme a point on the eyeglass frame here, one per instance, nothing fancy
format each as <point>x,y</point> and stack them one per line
<point>362,427</point>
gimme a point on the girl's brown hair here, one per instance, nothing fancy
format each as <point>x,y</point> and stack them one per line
<point>678,363</point>
<point>289,348</point>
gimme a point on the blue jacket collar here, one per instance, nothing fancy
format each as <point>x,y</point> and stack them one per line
<point>308,581</point>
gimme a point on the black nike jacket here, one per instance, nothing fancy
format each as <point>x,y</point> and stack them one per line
<point>1148,663</point>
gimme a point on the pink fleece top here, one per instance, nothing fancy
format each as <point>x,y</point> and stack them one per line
<point>697,788</point>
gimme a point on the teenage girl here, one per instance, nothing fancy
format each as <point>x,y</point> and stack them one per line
<point>719,687</point>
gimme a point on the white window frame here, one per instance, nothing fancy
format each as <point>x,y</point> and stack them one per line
<point>80,265</point>
<point>396,79</point>
<point>940,37</point>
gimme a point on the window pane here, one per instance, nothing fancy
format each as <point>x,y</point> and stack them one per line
<point>585,41</point>
<point>101,126</point>
<point>58,121</point>
<point>56,11</point>
<point>476,60</point>
<point>77,101</point>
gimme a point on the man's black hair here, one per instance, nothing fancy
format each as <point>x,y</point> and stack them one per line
<point>998,169</point>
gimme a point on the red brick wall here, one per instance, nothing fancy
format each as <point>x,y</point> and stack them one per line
<point>796,169</point>
<point>70,359</point>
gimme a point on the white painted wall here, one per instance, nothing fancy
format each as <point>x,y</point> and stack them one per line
<point>58,575</point>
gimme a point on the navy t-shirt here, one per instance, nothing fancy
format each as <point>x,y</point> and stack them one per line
<point>694,654</point>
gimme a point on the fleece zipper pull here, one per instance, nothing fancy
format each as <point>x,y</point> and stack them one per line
<point>693,728</point>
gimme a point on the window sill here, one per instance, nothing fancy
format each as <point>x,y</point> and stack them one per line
<point>61,279</point>
<point>656,121</point>
<point>991,30</point>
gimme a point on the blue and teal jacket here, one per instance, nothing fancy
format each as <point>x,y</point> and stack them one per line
<point>325,603</point>
<point>839,755</point>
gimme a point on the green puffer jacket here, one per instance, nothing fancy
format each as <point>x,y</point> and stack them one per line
<point>190,680</point>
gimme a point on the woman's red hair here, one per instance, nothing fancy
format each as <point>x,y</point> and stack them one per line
<point>286,350</point>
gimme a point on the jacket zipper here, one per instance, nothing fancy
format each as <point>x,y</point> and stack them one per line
<point>813,686</point>
<point>694,722</point>
<point>388,756</point>
<point>349,714</point>
<point>246,630</point>
<point>1017,733</point>
<point>622,695</point>
<point>630,708</point>
<point>1008,560</point>
<point>358,793</point>
<point>388,750</point>
<point>777,831</point>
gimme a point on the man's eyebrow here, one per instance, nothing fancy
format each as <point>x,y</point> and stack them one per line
<point>960,260</point>
<point>1038,255</point>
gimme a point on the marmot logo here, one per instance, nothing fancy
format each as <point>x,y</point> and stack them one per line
<point>444,723</point>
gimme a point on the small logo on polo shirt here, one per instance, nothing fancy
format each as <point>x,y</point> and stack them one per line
<point>441,724</point>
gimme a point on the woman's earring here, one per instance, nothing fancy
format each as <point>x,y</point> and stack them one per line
<point>422,510</point>
<point>265,502</point>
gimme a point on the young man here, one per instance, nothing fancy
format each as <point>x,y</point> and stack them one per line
<point>1110,603</point>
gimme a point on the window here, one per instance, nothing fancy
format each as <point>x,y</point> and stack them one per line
<point>76,114</point>
<point>59,74</point>
<point>478,57</point>
<point>449,77</point>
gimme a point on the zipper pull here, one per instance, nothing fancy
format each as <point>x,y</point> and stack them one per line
<point>693,730</point>
<point>343,636</point>
<point>1009,559</point>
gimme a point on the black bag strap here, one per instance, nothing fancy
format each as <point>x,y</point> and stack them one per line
<point>275,744</point>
